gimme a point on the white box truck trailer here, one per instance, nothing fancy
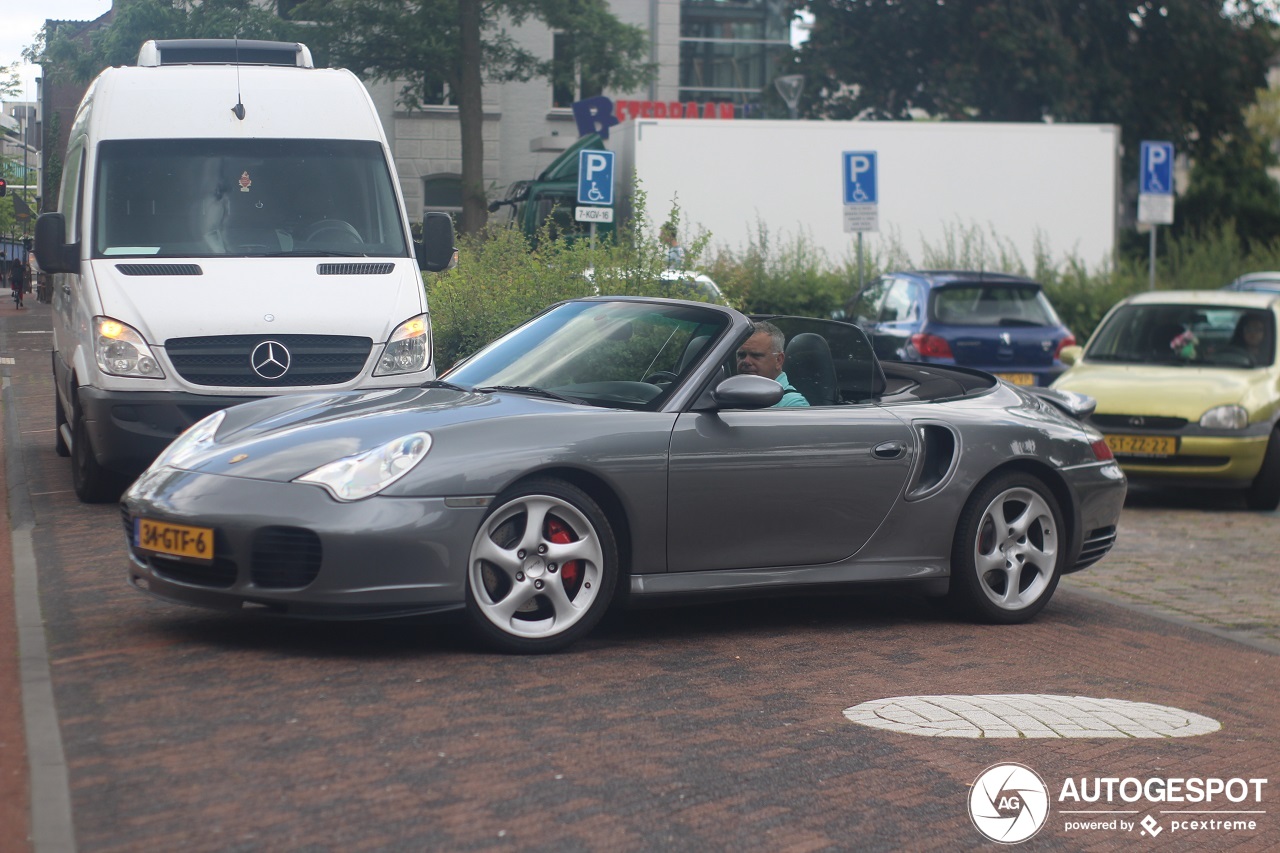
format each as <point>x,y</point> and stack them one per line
<point>229,227</point>
<point>1034,186</point>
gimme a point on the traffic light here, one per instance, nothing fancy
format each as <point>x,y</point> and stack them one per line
<point>4,186</point>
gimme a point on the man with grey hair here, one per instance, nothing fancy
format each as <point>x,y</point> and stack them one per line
<point>762,355</point>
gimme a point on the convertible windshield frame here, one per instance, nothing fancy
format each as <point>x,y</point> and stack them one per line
<point>625,354</point>
<point>196,198</point>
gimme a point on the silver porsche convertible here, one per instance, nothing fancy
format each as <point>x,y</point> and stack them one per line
<point>607,452</point>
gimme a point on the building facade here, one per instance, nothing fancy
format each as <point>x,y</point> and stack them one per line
<point>724,53</point>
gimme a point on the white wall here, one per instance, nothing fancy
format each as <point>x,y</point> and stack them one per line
<point>1016,180</point>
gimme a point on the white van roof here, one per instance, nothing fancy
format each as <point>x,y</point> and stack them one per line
<point>199,102</point>
<point>224,52</point>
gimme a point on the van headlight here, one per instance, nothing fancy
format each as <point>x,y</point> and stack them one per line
<point>408,350</point>
<point>1225,417</point>
<point>354,477</point>
<point>121,351</point>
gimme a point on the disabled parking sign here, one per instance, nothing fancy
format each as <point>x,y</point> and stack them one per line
<point>861,191</point>
<point>595,177</point>
<point>1155,183</point>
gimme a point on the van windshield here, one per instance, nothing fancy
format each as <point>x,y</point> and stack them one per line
<point>215,197</point>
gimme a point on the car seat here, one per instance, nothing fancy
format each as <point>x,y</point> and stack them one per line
<point>809,367</point>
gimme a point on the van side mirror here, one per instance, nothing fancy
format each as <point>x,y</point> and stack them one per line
<point>53,254</point>
<point>435,252</point>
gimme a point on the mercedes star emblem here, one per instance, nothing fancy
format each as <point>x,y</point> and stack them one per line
<point>270,360</point>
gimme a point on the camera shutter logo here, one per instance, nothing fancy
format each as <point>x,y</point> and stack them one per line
<point>270,360</point>
<point>1008,803</point>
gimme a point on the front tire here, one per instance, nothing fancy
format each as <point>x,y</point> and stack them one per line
<point>542,568</point>
<point>1264,492</point>
<point>59,421</point>
<point>93,484</point>
<point>1008,551</point>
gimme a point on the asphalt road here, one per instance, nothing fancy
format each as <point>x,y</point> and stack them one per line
<point>695,728</point>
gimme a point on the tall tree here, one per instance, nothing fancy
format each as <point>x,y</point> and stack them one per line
<point>1181,70</point>
<point>135,21</point>
<point>431,44</point>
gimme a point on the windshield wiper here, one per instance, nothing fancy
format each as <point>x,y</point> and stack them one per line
<point>313,253</point>
<point>529,389</point>
<point>440,383</point>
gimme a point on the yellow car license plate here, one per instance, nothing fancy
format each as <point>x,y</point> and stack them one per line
<point>1143,445</point>
<point>173,540</point>
<point>1018,378</point>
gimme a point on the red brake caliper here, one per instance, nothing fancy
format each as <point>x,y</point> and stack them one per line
<point>570,573</point>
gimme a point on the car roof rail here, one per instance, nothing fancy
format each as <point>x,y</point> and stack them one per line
<point>158,52</point>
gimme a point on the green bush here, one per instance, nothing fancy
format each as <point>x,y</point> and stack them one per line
<point>501,281</point>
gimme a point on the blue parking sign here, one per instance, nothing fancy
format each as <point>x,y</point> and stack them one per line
<point>860,177</point>
<point>1156,177</point>
<point>595,177</point>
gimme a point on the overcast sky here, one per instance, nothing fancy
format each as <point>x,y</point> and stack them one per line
<point>20,20</point>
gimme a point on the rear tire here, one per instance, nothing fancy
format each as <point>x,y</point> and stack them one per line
<point>1008,552</point>
<point>93,483</point>
<point>1264,493</point>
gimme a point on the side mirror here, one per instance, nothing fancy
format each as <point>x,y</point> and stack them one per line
<point>53,254</point>
<point>1070,355</point>
<point>747,392</point>
<point>435,252</point>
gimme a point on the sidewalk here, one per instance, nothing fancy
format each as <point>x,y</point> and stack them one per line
<point>15,804</point>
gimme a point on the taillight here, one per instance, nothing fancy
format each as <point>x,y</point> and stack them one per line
<point>1102,450</point>
<point>1068,341</point>
<point>931,346</point>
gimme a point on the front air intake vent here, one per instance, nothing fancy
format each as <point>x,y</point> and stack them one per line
<point>355,269</point>
<point>160,269</point>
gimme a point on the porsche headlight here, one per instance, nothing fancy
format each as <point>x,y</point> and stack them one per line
<point>196,440</point>
<point>354,477</point>
<point>121,351</point>
<point>1225,417</point>
<point>408,349</point>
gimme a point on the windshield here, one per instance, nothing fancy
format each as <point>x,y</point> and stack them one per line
<point>1190,335</point>
<point>186,198</point>
<point>985,305</point>
<point>615,354</point>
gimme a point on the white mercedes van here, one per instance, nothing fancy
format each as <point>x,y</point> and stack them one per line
<point>230,226</point>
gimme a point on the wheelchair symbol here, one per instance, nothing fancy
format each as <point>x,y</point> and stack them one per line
<point>858,194</point>
<point>594,193</point>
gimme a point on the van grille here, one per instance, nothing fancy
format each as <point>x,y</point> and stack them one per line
<point>226,360</point>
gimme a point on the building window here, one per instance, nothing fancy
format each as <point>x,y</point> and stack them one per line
<point>570,82</point>
<point>730,51</point>
<point>443,193</point>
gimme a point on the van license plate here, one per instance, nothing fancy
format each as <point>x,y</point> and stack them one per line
<point>1143,445</point>
<point>1018,378</point>
<point>174,540</point>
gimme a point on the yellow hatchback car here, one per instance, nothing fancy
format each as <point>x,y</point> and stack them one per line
<point>1188,389</point>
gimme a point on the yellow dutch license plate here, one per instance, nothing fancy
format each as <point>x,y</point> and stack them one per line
<point>173,540</point>
<point>1143,445</point>
<point>1018,378</point>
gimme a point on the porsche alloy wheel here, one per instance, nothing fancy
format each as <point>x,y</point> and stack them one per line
<point>1008,552</point>
<point>542,567</point>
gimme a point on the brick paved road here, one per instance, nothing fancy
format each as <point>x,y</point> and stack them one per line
<point>708,727</point>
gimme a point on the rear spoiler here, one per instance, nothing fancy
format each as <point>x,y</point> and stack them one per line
<point>1078,406</point>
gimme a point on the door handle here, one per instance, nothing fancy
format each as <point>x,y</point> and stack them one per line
<point>66,290</point>
<point>890,450</point>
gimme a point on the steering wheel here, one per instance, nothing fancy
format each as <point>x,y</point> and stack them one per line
<point>333,231</point>
<point>661,376</point>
